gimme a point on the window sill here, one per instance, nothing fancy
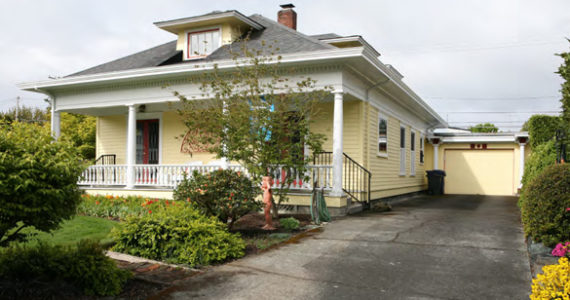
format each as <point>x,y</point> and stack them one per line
<point>383,155</point>
<point>402,175</point>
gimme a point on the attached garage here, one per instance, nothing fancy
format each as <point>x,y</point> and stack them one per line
<point>485,172</point>
<point>484,164</point>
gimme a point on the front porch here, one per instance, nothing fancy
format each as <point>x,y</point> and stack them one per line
<point>169,176</point>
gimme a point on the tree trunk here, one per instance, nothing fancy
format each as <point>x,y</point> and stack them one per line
<point>274,209</point>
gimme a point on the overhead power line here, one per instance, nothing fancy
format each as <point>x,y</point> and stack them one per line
<point>487,121</point>
<point>493,98</point>
<point>501,112</point>
<point>472,48</point>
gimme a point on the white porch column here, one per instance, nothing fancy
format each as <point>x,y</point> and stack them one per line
<point>337,144</point>
<point>131,145</point>
<point>521,165</point>
<point>435,156</point>
<point>55,123</point>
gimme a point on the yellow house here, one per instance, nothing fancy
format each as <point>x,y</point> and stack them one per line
<point>381,135</point>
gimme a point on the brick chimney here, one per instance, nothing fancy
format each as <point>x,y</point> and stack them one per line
<point>287,16</point>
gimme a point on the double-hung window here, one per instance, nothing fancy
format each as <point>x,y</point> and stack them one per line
<point>403,151</point>
<point>382,136</point>
<point>202,43</point>
<point>421,149</point>
<point>412,153</point>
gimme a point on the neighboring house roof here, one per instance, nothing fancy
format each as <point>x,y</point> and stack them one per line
<point>478,137</point>
<point>282,38</point>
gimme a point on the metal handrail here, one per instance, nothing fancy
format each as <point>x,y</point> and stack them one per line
<point>106,159</point>
<point>356,178</point>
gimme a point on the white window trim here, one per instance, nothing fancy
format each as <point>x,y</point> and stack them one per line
<point>404,173</point>
<point>413,153</point>
<point>187,33</point>
<point>378,153</point>
<point>422,149</point>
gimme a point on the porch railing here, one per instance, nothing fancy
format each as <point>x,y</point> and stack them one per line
<point>169,176</point>
<point>355,177</point>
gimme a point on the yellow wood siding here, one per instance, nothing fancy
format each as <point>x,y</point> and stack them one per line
<point>352,127</point>
<point>172,130</point>
<point>386,178</point>
<point>111,137</point>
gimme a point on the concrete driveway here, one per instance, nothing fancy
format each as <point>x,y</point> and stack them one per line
<point>446,247</point>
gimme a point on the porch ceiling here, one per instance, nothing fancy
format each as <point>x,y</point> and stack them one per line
<point>122,110</point>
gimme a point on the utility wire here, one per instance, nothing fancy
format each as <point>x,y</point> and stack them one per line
<point>493,98</point>
<point>501,112</point>
<point>471,48</point>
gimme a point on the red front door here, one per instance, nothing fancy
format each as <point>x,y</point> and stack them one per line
<point>147,141</point>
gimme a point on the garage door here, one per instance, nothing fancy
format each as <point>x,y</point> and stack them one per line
<point>485,172</point>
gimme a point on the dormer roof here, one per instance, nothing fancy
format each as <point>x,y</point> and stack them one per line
<point>346,41</point>
<point>216,17</point>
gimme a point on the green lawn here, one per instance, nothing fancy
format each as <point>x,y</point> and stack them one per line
<point>76,229</point>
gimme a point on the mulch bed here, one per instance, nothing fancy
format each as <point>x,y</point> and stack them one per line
<point>251,224</point>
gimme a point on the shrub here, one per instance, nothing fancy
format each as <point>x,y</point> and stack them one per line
<point>38,180</point>
<point>114,207</point>
<point>289,223</point>
<point>554,283</point>
<point>542,128</point>
<point>544,211</point>
<point>541,157</point>
<point>84,266</point>
<point>225,194</point>
<point>178,235</point>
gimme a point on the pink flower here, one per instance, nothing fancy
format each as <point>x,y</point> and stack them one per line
<point>561,250</point>
<point>568,209</point>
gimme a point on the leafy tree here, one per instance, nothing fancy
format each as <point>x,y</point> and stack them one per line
<point>26,114</point>
<point>564,72</point>
<point>79,130</point>
<point>253,115</point>
<point>484,127</point>
<point>38,180</point>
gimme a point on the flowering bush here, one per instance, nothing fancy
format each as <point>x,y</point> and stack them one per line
<point>561,250</point>
<point>114,207</point>
<point>554,283</point>
<point>179,235</point>
<point>225,194</point>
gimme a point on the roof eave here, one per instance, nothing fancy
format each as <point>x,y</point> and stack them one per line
<point>179,69</point>
<point>168,25</point>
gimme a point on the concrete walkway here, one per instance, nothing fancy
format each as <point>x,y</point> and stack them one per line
<point>449,247</point>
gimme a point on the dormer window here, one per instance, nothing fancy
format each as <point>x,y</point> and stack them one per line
<point>202,42</point>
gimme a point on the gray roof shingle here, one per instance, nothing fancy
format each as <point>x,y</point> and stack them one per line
<point>285,39</point>
<point>148,58</point>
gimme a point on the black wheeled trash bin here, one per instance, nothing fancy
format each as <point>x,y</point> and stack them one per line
<point>435,182</point>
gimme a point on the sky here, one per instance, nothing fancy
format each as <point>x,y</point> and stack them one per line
<point>473,61</point>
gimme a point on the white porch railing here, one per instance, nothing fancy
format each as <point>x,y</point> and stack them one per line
<point>170,175</point>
